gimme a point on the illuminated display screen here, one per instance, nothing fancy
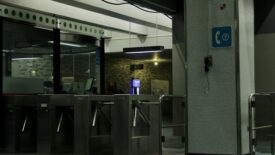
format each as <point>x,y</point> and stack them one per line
<point>136,83</point>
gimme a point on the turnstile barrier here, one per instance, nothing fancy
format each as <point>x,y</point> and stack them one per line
<point>83,125</point>
<point>20,124</point>
<point>136,125</point>
<point>262,122</point>
<point>62,122</point>
<point>173,123</point>
<point>94,118</point>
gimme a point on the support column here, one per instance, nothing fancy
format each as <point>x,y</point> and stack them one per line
<point>2,104</point>
<point>214,44</point>
<point>56,62</point>
<point>102,66</point>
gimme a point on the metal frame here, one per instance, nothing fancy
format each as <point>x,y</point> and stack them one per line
<point>56,61</point>
<point>102,66</point>
<point>252,128</point>
<point>43,124</point>
<point>50,21</point>
<point>2,106</point>
<point>238,81</point>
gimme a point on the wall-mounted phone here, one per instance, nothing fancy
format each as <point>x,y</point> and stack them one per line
<point>208,63</point>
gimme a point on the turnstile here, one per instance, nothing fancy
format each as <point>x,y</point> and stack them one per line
<point>62,124</point>
<point>173,124</point>
<point>262,121</point>
<point>136,125</point>
<point>83,125</point>
<point>94,118</point>
<point>20,124</point>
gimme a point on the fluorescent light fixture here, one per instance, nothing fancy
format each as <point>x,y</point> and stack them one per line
<point>69,44</point>
<point>6,51</point>
<point>143,50</point>
<point>18,59</point>
<point>43,28</point>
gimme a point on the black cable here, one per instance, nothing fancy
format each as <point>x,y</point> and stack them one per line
<point>137,6</point>
<point>168,16</point>
<point>115,3</point>
<point>131,4</point>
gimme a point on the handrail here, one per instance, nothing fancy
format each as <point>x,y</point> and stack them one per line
<point>149,103</point>
<point>262,127</point>
<point>252,96</point>
<point>108,103</point>
<point>171,96</point>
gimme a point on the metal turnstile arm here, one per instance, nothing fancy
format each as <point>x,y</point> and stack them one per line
<point>59,123</point>
<point>94,118</point>
<point>135,117</point>
<point>25,123</point>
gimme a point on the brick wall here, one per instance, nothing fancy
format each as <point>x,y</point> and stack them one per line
<point>117,69</point>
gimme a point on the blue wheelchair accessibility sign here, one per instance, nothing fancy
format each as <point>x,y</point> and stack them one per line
<point>222,37</point>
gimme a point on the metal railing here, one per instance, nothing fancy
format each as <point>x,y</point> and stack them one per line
<point>178,124</point>
<point>253,127</point>
<point>162,98</point>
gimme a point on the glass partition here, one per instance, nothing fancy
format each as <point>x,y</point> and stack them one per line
<point>27,55</point>
<point>77,63</point>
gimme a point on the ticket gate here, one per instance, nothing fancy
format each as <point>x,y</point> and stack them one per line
<point>62,124</point>
<point>20,124</point>
<point>173,124</point>
<point>136,125</point>
<point>262,122</point>
<point>43,124</point>
<point>94,118</point>
<point>83,125</point>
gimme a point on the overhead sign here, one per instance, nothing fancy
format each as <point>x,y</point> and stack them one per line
<point>222,37</point>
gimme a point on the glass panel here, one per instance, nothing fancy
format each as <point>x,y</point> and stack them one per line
<point>77,62</point>
<point>28,64</point>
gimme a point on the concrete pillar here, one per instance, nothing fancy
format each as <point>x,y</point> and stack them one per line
<point>219,33</point>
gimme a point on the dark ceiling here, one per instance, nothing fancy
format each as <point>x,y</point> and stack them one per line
<point>264,16</point>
